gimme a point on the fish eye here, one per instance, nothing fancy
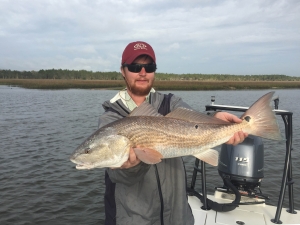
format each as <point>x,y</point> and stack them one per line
<point>87,150</point>
<point>247,118</point>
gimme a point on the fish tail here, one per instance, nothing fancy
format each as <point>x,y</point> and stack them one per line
<point>262,118</point>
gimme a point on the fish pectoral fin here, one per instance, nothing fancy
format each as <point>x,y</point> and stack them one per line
<point>209,156</point>
<point>148,155</point>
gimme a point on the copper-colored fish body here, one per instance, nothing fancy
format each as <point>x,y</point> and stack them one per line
<point>180,133</point>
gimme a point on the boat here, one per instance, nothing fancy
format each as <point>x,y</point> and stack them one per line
<point>240,201</point>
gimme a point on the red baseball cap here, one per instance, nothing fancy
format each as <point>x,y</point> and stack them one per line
<point>135,49</point>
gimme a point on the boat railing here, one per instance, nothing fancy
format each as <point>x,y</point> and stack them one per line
<point>287,179</point>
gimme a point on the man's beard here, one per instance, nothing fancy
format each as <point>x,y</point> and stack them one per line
<point>141,91</point>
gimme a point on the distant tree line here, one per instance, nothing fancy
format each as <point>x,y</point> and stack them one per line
<point>90,75</point>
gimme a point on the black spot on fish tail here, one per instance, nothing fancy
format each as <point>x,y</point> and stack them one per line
<point>247,118</point>
<point>196,126</point>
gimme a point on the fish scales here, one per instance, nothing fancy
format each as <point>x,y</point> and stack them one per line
<point>173,137</point>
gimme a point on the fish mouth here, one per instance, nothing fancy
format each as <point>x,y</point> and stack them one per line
<point>82,167</point>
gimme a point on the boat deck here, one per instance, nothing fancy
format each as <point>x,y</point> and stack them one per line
<point>260,214</point>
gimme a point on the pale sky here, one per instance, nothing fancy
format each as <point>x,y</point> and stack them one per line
<point>188,36</point>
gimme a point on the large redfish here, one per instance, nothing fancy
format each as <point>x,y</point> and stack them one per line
<point>182,132</point>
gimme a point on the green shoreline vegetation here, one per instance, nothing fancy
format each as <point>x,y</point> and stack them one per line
<point>82,79</point>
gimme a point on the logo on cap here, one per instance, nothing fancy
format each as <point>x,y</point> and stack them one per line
<point>140,46</point>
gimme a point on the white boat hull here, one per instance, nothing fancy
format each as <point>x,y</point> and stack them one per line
<point>258,214</point>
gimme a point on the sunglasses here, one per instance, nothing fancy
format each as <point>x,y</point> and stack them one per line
<point>136,68</point>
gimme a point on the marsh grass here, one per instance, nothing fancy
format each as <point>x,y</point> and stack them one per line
<point>224,85</point>
<point>159,85</point>
<point>63,84</point>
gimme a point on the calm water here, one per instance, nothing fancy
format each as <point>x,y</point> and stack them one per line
<point>40,129</point>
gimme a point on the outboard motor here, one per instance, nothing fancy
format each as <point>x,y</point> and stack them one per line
<point>243,164</point>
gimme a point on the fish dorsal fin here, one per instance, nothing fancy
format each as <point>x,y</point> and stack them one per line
<point>194,116</point>
<point>145,109</point>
